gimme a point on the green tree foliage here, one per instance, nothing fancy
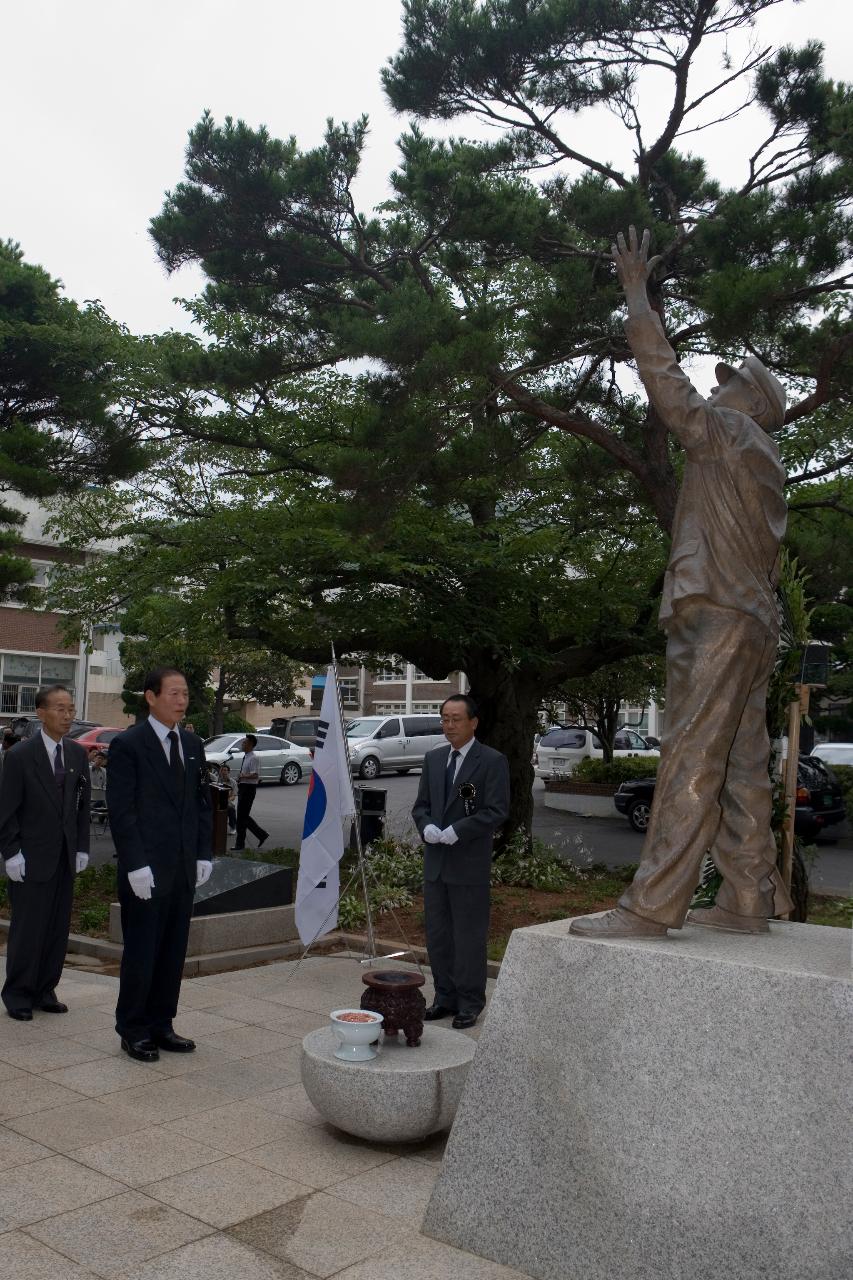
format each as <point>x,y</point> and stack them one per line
<point>68,411</point>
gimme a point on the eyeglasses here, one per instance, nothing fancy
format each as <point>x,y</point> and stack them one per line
<point>454,719</point>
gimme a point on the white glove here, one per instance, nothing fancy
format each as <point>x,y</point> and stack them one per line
<point>432,834</point>
<point>15,867</point>
<point>82,862</point>
<point>448,836</point>
<point>203,871</point>
<point>141,882</point>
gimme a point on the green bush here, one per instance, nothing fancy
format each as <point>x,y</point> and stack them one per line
<point>278,857</point>
<point>97,882</point>
<point>531,867</point>
<point>621,769</point>
<point>95,917</point>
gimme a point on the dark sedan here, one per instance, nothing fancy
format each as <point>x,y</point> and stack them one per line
<point>819,800</point>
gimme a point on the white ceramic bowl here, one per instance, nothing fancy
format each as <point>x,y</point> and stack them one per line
<point>356,1037</point>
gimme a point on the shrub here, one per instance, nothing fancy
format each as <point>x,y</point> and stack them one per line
<point>844,774</point>
<point>621,769</point>
<point>94,917</point>
<point>278,857</point>
<point>531,867</point>
<point>97,882</point>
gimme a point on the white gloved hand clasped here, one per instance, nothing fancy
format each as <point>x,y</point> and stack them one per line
<point>16,867</point>
<point>82,862</point>
<point>141,882</point>
<point>203,871</point>
<point>432,833</point>
<point>448,836</point>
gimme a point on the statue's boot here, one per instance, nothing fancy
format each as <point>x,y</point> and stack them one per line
<point>618,923</point>
<point>719,918</point>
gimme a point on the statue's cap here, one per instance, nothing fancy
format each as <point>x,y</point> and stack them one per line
<point>752,370</point>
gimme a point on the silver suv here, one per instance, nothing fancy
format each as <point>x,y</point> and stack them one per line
<point>382,744</point>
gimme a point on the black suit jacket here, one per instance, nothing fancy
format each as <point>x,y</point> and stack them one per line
<point>38,820</point>
<point>469,861</point>
<point>154,822</point>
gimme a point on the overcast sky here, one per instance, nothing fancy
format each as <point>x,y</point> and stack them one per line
<point>97,97</point>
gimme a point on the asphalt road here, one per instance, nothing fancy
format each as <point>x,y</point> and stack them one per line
<point>280,810</point>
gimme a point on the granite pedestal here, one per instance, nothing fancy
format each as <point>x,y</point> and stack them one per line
<point>674,1109</point>
<point>404,1094</point>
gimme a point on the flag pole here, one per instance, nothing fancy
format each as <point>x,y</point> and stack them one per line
<point>356,828</point>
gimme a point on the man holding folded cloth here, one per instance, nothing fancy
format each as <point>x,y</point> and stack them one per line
<point>463,798</point>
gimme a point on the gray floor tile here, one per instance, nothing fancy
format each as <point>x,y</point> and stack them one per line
<point>249,1042</point>
<point>246,1009</point>
<point>226,1192</point>
<point>8,1073</point>
<point>218,1257</point>
<point>168,1099</point>
<point>424,1259</point>
<point>49,1054</point>
<point>145,1156</point>
<point>295,1022</point>
<point>292,1101</point>
<point>201,1024</point>
<point>22,1258</point>
<point>33,1093</point>
<point>400,1190</point>
<point>321,1234</point>
<point>69,1025</point>
<point>318,1155</point>
<point>114,1237</point>
<point>104,1075</point>
<point>243,1077</point>
<point>234,1128</point>
<point>74,1125</point>
<point>50,1186</point>
<point>16,1149</point>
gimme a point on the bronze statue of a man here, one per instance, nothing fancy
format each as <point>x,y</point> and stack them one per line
<point>719,611</point>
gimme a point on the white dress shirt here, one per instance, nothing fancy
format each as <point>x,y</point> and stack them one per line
<point>163,731</point>
<point>463,751</point>
<point>50,746</point>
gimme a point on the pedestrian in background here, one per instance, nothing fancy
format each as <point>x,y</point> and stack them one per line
<point>247,789</point>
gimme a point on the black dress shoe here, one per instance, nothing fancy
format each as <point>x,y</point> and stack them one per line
<point>143,1050</point>
<point>53,1006</point>
<point>463,1020</point>
<point>172,1043</point>
<point>21,1015</point>
<point>263,838</point>
<point>436,1011</point>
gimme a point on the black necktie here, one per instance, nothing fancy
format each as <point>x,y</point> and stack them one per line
<point>58,766</point>
<point>449,776</point>
<point>176,764</point>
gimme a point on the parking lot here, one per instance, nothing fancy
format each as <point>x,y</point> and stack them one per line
<point>280,810</point>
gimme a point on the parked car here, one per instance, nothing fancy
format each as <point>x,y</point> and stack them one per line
<point>834,752</point>
<point>281,761</point>
<point>819,800</point>
<point>299,729</point>
<point>100,737</point>
<point>29,725</point>
<point>560,750</point>
<point>380,744</point>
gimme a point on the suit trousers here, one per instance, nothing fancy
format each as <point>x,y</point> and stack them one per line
<point>155,932</point>
<point>456,918</point>
<point>246,792</point>
<point>38,936</point>
<point>713,792</point>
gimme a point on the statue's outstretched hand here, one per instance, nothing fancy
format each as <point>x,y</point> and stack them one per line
<point>633,265</point>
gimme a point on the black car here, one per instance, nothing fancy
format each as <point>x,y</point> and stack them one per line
<point>29,726</point>
<point>819,800</point>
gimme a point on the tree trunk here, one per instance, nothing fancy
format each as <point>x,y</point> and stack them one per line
<point>508,703</point>
<point>218,718</point>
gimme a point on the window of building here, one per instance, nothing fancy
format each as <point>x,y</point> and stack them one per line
<point>41,573</point>
<point>427,708</point>
<point>392,671</point>
<point>388,708</point>
<point>421,677</point>
<point>22,673</point>
<point>348,686</point>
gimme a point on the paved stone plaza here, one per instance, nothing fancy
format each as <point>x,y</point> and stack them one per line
<point>205,1166</point>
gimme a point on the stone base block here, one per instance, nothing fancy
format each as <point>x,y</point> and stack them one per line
<point>673,1109</point>
<point>264,926</point>
<point>402,1095</point>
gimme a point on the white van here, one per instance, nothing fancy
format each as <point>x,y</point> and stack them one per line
<point>386,744</point>
<point>561,749</point>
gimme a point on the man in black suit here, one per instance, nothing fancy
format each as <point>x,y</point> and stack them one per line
<point>463,798</point>
<point>160,817</point>
<point>44,838</point>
